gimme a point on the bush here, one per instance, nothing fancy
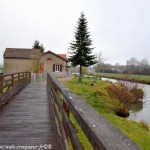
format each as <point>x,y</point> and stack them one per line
<point>127,96</point>
<point>138,93</point>
<point>100,93</point>
<point>121,110</point>
<point>124,93</point>
<point>120,92</point>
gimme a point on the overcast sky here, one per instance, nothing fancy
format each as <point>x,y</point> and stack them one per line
<point>120,29</point>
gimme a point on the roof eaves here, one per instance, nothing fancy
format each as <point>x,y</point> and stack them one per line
<point>55,55</point>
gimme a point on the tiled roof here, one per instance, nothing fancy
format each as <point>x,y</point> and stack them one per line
<point>62,55</point>
<point>22,53</point>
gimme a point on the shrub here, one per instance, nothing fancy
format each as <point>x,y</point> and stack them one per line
<point>120,92</point>
<point>100,93</point>
<point>138,93</point>
<point>124,93</point>
<point>128,97</point>
<point>121,110</point>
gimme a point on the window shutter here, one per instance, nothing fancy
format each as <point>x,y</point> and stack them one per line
<point>41,67</point>
<point>53,67</point>
<point>60,68</point>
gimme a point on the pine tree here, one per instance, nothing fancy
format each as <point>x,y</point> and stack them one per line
<point>81,50</point>
<point>37,45</point>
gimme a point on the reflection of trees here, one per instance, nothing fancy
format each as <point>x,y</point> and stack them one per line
<point>135,106</point>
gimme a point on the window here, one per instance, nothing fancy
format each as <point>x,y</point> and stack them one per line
<point>57,68</point>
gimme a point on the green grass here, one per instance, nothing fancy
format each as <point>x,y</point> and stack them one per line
<point>1,70</point>
<point>144,125</point>
<point>97,97</point>
<point>80,134</point>
<point>137,77</point>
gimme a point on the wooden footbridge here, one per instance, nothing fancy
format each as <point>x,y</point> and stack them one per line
<point>36,116</point>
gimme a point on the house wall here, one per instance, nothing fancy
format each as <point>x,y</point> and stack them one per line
<point>49,59</point>
<point>17,65</point>
<point>12,65</point>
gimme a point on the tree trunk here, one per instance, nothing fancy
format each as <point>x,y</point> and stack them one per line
<point>80,77</point>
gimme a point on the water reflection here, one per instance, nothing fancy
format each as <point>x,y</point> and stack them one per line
<point>139,110</point>
<point>135,107</point>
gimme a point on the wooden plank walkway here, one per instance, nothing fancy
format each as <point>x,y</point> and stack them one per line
<point>26,119</point>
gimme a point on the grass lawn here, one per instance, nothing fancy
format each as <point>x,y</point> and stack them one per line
<point>97,97</point>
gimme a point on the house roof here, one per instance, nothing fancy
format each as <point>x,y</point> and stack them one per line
<point>62,56</point>
<point>22,53</point>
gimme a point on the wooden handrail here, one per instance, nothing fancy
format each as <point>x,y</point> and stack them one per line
<point>10,84</point>
<point>101,134</point>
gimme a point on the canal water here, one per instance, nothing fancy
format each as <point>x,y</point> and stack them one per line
<point>142,110</point>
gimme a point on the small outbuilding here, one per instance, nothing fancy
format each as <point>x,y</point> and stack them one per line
<point>32,60</point>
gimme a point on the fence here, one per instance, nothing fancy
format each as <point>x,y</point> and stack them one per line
<point>100,133</point>
<point>10,84</point>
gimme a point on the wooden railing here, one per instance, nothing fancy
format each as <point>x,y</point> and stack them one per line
<point>101,134</point>
<point>10,84</point>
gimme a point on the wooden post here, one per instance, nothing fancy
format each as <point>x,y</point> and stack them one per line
<point>12,80</point>
<point>23,77</point>
<point>18,77</point>
<point>26,77</point>
<point>65,107</point>
<point>29,77</point>
<point>1,84</point>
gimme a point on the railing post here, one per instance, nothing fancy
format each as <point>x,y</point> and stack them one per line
<point>18,77</point>
<point>29,73</point>
<point>1,85</point>
<point>23,76</point>
<point>66,109</point>
<point>26,79</point>
<point>29,77</point>
<point>12,80</point>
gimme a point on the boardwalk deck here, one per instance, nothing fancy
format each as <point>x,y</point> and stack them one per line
<point>26,119</point>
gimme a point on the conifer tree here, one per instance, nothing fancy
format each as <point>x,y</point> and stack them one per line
<point>37,45</point>
<point>81,50</point>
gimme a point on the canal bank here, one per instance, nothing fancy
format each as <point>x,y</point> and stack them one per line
<point>144,112</point>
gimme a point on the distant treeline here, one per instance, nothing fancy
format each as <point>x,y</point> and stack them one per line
<point>133,66</point>
<point>1,68</point>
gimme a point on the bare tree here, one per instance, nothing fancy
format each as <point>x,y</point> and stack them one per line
<point>132,65</point>
<point>145,66</point>
<point>100,62</point>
